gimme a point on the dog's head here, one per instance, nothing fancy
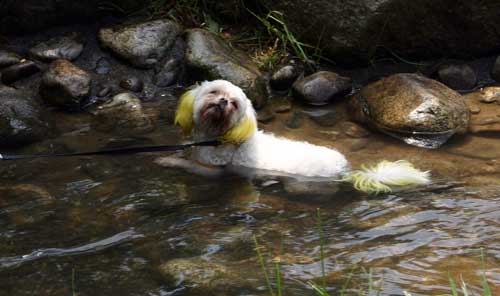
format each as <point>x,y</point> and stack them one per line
<point>217,109</point>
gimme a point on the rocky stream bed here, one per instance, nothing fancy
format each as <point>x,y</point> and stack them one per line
<point>122,225</point>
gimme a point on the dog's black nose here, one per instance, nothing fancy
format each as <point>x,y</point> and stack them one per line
<point>223,102</point>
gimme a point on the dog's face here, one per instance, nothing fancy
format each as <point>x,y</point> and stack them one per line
<point>217,109</point>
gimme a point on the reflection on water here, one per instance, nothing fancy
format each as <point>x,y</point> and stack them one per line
<point>116,221</point>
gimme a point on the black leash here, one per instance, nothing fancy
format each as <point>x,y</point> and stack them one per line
<point>126,150</point>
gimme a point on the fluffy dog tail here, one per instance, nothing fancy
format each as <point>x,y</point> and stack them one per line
<point>386,176</point>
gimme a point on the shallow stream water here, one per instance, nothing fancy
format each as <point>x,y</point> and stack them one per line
<point>103,225</point>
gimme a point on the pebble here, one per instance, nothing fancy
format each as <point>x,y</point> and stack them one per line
<point>265,116</point>
<point>296,120</point>
<point>132,83</point>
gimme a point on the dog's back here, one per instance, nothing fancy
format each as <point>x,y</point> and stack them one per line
<point>266,151</point>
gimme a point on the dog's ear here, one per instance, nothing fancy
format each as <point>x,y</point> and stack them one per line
<point>243,130</point>
<point>184,113</point>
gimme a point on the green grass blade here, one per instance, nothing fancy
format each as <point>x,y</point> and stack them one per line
<point>453,286</point>
<point>484,281</point>
<point>263,266</point>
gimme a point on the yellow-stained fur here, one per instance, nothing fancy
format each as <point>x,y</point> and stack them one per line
<point>184,113</point>
<point>241,132</point>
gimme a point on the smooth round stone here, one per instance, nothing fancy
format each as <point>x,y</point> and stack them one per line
<point>418,110</point>
<point>132,83</point>
<point>19,71</point>
<point>281,104</point>
<point>459,77</point>
<point>171,69</point>
<point>321,87</point>
<point>322,116</point>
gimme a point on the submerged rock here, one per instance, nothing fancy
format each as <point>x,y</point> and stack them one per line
<point>321,87</point>
<point>8,58</point>
<point>202,276</point>
<point>418,110</point>
<point>123,114</point>
<point>19,71</point>
<point>143,44</point>
<point>65,85</point>
<point>459,77</point>
<point>487,120</point>
<point>21,120</point>
<point>64,47</point>
<point>322,116</point>
<point>211,58</point>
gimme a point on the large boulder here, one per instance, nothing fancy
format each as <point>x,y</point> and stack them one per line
<point>143,44</point>
<point>65,85</point>
<point>21,118</point>
<point>416,109</point>
<point>210,57</point>
<point>425,28</point>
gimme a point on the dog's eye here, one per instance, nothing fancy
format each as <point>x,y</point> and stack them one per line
<point>235,105</point>
<point>213,92</point>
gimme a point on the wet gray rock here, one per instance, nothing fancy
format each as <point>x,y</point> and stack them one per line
<point>132,83</point>
<point>416,109</point>
<point>19,71</point>
<point>203,276</point>
<point>322,116</point>
<point>495,71</point>
<point>21,118</point>
<point>171,68</point>
<point>210,57</point>
<point>123,114</point>
<point>65,85</point>
<point>321,87</point>
<point>459,77</point>
<point>143,44</point>
<point>64,47</point>
<point>8,58</point>
<point>283,78</point>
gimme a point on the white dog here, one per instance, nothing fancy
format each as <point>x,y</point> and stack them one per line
<point>220,110</point>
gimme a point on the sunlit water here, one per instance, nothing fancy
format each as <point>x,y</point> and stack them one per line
<point>104,225</point>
